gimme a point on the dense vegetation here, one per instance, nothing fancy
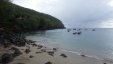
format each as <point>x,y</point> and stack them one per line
<point>19,18</point>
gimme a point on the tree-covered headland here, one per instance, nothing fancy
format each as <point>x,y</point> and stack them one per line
<point>20,19</point>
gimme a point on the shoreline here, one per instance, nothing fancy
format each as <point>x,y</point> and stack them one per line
<point>77,53</point>
<point>42,56</point>
<point>108,60</point>
<point>89,56</point>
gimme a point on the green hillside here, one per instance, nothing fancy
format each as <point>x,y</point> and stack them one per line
<point>19,18</point>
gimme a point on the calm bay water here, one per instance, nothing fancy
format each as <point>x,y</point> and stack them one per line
<point>98,43</point>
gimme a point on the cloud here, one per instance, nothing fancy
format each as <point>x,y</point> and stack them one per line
<point>111,3</point>
<point>38,5</point>
<point>75,13</point>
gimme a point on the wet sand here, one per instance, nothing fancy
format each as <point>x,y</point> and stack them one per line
<point>42,57</point>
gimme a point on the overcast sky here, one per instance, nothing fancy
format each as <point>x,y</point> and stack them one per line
<point>75,13</point>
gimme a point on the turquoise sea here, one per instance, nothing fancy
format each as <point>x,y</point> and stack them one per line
<point>97,44</point>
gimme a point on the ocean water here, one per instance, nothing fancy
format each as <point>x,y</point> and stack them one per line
<point>97,44</point>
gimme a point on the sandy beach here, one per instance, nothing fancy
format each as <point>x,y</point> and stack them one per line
<point>41,56</point>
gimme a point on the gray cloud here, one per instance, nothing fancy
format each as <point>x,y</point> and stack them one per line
<point>85,13</point>
<point>81,13</point>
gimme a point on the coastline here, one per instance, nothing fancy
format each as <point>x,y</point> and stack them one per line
<point>41,56</point>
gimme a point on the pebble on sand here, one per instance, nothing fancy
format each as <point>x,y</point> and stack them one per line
<point>51,53</point>
<point>27,51</point>
<point>39,46</point>
<point>48,62</point>
<point>34,45</point>
<point>83,55</point>
<point>55,49</point>
<point>63,55</point>
<point>31,56</point>
<point>104,63</point>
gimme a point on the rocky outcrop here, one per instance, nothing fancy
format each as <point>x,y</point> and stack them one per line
<point>8,38</point>
<point>17,52</point>
<point>9,55</point>
<point>6,58</point>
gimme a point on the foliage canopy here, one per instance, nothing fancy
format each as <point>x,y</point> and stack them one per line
<point>19,18</point>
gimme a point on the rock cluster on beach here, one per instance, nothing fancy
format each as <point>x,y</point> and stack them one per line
<point>11,41</point>
<point>8,39</point>
<point>9,55</point>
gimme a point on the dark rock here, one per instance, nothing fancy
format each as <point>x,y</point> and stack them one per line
<point>27,51</point>
<point>40,46</point>
<point>83,55</point>
<point>17,39</point>
<point>48,62</point>
<point>6,43</point>
<point>63,55</point>
<point>104,63</point>
<point>55,49</point>
<point>20,40</point>
<point>13,48</point>
<point>51,53</point>
<point>6,58</point>
<point>17,52</point>
<point>31,56</point>
<point>30,41</point>
<point>43,50</point>
<point>20,63</point>
<point>34,45</point>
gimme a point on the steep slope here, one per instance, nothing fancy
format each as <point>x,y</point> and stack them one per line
<point>22,19</point>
